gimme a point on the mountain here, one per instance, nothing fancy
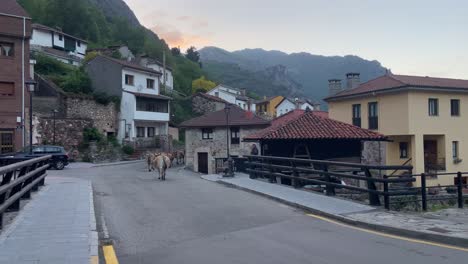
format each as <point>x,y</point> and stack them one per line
<point>296,74</point>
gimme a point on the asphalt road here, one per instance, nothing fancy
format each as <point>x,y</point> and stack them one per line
<point>190,220</point>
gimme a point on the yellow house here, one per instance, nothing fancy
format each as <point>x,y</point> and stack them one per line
<point>425,118</point>
<point>267,106</point>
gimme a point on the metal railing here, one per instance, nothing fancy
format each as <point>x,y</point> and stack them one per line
<point>332,174</point>
<point>18,180</point>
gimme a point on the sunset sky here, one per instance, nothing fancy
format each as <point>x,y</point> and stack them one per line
<point>409,37</point>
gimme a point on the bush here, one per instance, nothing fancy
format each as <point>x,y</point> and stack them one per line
<point>129,150</point>
<point>76,81</point>
<point>113,140</point>
<point>92,134</point>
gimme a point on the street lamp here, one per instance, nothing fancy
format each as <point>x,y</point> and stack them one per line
<point>32,87</point>
<point>230,162</point>
<point>54,112</point>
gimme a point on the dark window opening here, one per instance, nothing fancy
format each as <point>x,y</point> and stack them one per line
<point>7,89</point>
<point>357,115</point>
<point>151,131</point>
<point>150,83</point>
<point>7,49</point>
<point>235,135</point>
<point>455,151</point>
<point>403,150</point>
<point>140,132</point>
<point>207,133</point>
<point>60,37</point>
<point>455,107</point>
<point>129,79</point>
<point>433,107</point>
<point>373,115</point>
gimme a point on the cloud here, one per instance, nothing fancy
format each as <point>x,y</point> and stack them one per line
<point>176,38</point>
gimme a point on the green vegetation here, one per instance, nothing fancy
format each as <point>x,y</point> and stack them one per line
<point>202,85</point>
<point>102,31</point>
<point>92,134</point>
<point>129,150</point>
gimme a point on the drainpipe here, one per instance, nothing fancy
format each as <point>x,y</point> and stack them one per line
<point>22,82</point>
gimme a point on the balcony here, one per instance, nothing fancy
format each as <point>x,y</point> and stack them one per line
<point>151,116</point>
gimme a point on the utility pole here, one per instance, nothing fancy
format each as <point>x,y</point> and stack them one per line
<point>164,70</point>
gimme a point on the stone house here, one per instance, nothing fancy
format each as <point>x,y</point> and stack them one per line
<point>206,138</point>
<point>15,33</point>
<point>203,103</point>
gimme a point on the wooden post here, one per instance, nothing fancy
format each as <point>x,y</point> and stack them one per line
<point>461,201</point>
<point>386,194</point>
<point>423,192</point>
<point>373,197</point>
<point>330,190</point>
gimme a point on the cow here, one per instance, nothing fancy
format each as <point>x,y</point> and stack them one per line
<point>160,163</point>
<point>179,156</point>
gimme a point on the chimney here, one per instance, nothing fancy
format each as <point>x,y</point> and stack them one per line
<point>264,97</point>
<point>243,92</point>
<point>334,86</point>
<point>297,103</point>
<point>352,80</point>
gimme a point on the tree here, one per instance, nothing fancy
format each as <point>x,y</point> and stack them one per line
<point>175,51</point>
<point>193,54</point>
<point>202,85</point>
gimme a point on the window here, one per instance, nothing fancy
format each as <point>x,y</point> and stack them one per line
<point>455,107</point>
<point>433,107</point>
<point>455,153</point>
<point>140,132</point>
<point>403,150</point>
<point>129,79</point>
<point>235,135</point>
<point>6,49</point>
<point>60,37</point>
<point>78,43</point>
<point>245,106</point>
<point>151,131</point>
<point>150,83</point>
<point>373,115</point>
<point>6,141</point>
<point>357,115</point>
<point>152,105</point>
<point>217,94</point>
<point>207,133</point>
<point>7,89</point>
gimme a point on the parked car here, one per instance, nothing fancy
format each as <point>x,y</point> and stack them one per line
<point>59,156</point>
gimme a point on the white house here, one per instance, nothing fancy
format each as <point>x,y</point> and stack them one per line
<point>234,96</point>
<point>156,65</point>
<point>53,42</point>
<point>289,104</point>
<point>144,112</point>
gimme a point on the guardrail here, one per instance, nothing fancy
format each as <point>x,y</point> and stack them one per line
<point>331,175</point>
<point>18,180</point>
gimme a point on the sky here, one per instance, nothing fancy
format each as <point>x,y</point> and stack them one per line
<point>416,37</point>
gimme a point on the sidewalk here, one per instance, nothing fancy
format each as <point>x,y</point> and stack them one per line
<point>447,226</point>
<point>57,226</point>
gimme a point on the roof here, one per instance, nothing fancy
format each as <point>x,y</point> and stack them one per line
<point>300,101</point>
<point>237,117</point>
<point>391,82</point>
<point>310,125</point>
<point>55,52</point>
<point>210,97</point>
<point>266,100</point>
<point>130,65</point>
<point>46,28</point>
<point>11,7</point>
<point>153,96</point>
<point>152,60</point>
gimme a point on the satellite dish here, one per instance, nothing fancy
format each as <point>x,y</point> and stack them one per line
<point>140,87</point>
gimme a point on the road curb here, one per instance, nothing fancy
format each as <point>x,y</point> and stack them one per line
<point>117,163</point>
<point>453,241</point>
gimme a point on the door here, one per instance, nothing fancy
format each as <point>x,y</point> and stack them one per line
<point>203,162</point>
<point>6,142</point>
<point>430,154</point>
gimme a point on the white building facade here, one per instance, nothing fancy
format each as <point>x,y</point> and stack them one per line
<point>288,105</point>
<point>58,45</point>
<point>234,96</point>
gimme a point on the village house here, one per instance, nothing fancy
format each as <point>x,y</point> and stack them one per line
<point>424,118</point>
<point>289,104</point>
<point>15,71</point>
<point>312,135</point>
<point>55,43</point>
<point>234,96</point>
<point>203,103</point>
<point>267,106</point>
<point>206,138</point>
<point>167,78</point>
<point>144,112</point>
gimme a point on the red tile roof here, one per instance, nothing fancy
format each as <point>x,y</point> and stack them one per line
<point>237,117</point>
<point>12,7</point>
<point>211,97</point>
<point>313,126</point>
<point>390,81</point>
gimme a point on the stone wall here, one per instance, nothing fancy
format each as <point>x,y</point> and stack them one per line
<point>216,147</point>
<point>104,117</point>
<point>373,152</point>
<point>202,105</point>
<point>68,132</point>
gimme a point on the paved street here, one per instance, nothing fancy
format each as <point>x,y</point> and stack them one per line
<point>190,220</point>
